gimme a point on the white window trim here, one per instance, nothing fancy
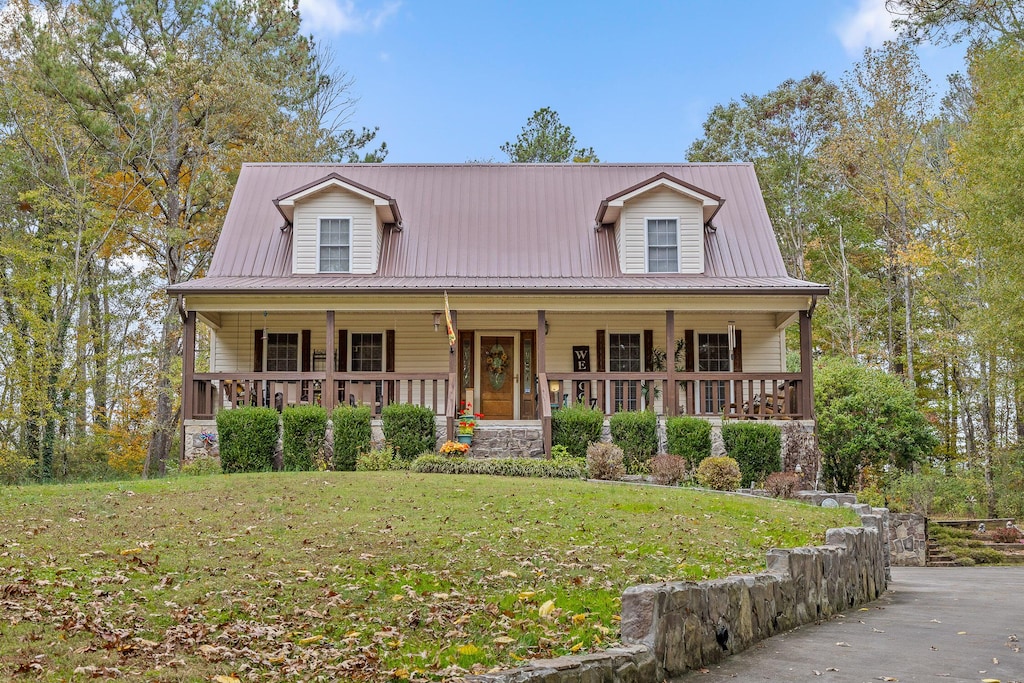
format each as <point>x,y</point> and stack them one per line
<point>696,347</point>
<point>647,250</point>
<point>319,231</point>
<point>383,348</point>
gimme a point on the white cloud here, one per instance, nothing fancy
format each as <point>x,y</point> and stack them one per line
<point>868,26</point>
<point>343,16</point>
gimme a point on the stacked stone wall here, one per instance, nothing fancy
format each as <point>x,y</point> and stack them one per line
<point>671,628</point>
<point>908,540</point>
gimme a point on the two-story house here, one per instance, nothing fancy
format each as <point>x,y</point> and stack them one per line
<point>569,282</point>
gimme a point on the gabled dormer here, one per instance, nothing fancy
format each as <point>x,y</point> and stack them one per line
<point>337,225</point>
<point>659,225</point>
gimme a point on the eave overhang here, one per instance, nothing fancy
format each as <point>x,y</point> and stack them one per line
<point>610,208</point>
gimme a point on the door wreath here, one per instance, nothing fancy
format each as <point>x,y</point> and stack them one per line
<point>496,363</point>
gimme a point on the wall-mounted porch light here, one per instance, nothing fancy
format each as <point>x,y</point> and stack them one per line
<point>547,327</point>
<point>437,321</point>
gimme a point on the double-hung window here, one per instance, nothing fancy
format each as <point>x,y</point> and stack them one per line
<point>713,356</point>
<point>367,352</point>
<point>282,352</point>
<point>624,356</point>
<point>335,241</point>
<point>662,245</point>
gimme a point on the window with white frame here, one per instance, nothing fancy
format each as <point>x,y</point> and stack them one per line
<point>335,245</point>
<point>662,245</point>
<point>282,352</point>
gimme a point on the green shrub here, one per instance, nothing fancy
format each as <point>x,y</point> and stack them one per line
<point>408,429</point>
<point>866,418</point>
<point>576,426</point>
<point>721,473</point>
<point>353,435</point>
<point>202,466</point>
<point>689,437</point>
<point>757,448</point>
<point>636,433</point>
<point>560,453</point>
<point>604,461</point>
<point>304,430</point>
<point>14,469</point>
<point>668,470</point>
<point>504,467</point>
<point>379,460</point>
<point>248,437</point>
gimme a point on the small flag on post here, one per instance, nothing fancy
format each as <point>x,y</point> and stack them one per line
<point>448,321</point>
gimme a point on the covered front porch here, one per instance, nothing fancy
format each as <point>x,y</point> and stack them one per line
<point>509,363</point>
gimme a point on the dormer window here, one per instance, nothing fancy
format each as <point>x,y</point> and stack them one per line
<point>662,245</point>
<point>335,245</point>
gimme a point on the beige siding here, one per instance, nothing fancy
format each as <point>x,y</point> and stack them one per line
<point>420,349</point>
<point>335,203</point>
<point>661,203</point>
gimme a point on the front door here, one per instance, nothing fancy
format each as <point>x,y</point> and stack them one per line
<point>497,378</point>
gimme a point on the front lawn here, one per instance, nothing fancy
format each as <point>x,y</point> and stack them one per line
<point>350,575</point>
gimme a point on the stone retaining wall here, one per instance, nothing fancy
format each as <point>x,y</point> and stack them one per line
<point>908,540</point>
<point>671,628</point>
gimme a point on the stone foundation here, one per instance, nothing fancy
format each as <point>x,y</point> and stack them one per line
<point>196,446</point>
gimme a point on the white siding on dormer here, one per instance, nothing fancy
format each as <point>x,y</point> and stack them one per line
<point>661,203</point>
<point>335,203</point>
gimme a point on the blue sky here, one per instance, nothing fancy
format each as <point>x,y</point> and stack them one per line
<point>451,81</point>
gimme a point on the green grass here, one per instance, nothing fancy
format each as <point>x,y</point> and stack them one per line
<point>350,575</point>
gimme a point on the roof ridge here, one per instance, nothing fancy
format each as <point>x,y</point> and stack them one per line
<point>452,164</point>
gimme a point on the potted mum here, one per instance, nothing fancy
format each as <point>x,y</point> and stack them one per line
<point>467,423</point>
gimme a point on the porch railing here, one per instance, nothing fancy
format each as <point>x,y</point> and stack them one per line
<point>215,391</point>
<point>742,395</point>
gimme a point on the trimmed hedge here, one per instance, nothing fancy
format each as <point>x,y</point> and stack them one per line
<point>756,447</point>
<point>409,429</point>
<point>720,473</point>
<point>352,435</point>
<point>689,437</point>
<point>636,433</point>
<point>304,431</point>
<point>248,437</point>
<point>503,467</point>
<point>576,427</point>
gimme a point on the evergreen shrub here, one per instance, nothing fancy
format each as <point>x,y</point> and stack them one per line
<point>756,447</point>
<point>689,437</point>
<point>353,435</point>
<point>304,431</point>
<point>636,433</point>
<point>248,437</point>
<point>409,429</point>
<point>575,427</point>
<point>721,473</point>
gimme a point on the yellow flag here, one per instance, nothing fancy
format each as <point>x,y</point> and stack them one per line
<point>448,320</point>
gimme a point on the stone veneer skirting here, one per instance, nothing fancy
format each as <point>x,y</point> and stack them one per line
<point>671,628</point>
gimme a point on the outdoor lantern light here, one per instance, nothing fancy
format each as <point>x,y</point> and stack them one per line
<point>437,321</point>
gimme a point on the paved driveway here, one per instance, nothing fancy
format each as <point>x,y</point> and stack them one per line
<point>934,624</point>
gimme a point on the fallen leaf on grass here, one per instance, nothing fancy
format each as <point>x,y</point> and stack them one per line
<point>310,640</point>
<point>131,551</point>
<point>504,640</point>
<point>546,609</point>
<point>578,619</point>
<point>226,679</point>
<point>577,647</point>
<point>467,650</point>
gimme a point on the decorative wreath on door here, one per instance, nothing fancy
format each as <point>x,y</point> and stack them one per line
<point>496,364</point>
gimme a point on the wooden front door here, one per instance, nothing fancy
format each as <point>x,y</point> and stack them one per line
<point>497,378</point>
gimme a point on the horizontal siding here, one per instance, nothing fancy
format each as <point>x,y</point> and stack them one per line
<point>662,203</point>
<point>420,349</point>
<point>335,203</point>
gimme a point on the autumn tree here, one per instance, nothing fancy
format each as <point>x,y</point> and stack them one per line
<point>173,97</point>
<point>947,21</point>
<point>877,152</point>
<point>545,139</point>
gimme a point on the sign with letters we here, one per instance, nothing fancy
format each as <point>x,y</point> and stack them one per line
<point>581,359</point>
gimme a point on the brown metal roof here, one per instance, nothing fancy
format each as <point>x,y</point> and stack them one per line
<point>497,226</point>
